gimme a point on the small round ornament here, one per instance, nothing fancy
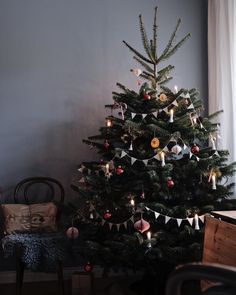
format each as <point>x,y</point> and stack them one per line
<point>141,225</point>
<point>195,149</point>
<point>107,215</point>
<point>137,72</point>
<point>155,142</point>
<point>106,144</point>
<point>163,97</point>
<point>88,267</point>
<point>176,149</point>
<point>72,233</point>
<point>146,96</point>
<point>170,183</point>
<point>119,170</point>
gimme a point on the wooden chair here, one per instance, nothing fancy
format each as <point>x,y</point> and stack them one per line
<point>22,189</point>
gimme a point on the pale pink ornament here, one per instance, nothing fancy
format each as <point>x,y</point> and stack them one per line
<point>176,149</point>
<point>141,225</point>
<point>72,233</point>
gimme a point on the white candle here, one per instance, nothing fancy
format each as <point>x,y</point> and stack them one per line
<point>107,168</point>
<point>196,222</point>
<point>109,122</point>
<point>132,202</point>
<point>213,178</point>
<point>149,235</point>
<point>171,116</point>
<point>163,159</point>
<point>176,89</point>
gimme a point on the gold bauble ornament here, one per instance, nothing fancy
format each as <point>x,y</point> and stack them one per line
<point>163,97</point>
<point>155,142</point>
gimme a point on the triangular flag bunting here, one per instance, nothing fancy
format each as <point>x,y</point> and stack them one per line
<point>197,158</point>
<point>217,154</point>
<point>184,147</point>
<point>165,110</point>
<point>145,162</point>
<point>156,157</point>
<point>118,226</point>
<point>125,224</point>
<point>202,218</point>
<point>110,225</point>
<point>190,155</point>
<point>156,214</point>
<point>147,208</point>
<point>133,115</point>
<point>103,221</point>
<point>132,219</point>
<point>190,107</point>
<point>123,153</point>
<point>144,116</point>
<point>179,221</point>
<point>167,218</point>
<point>165,149</point>
<point>190,220</point>
<point>133,160</point>
<point>82,180</point>
<point>187,95</point>
<point>175,103</point>
<point>155,114</point>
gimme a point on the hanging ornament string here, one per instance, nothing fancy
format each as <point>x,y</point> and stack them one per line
<point>193,221</point>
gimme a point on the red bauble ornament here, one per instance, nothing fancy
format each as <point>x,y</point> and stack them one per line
<point>146,96</point>
<point>141,225</point>
<point>106,144</point>
<point>107,215</point>
<point>88,267</point>
<point>119,170</point>
<point>170,183</point>
<point>72,233</point>
<point>195,149</point>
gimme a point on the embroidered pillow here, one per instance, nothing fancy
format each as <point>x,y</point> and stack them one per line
<point>29,218</point>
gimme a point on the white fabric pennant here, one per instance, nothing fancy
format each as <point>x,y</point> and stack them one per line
<point>147,208</point>
<point>217,154</point>
<point>155,114</point>
<point>157,157</point>
<point>82,180</point>
<point>118,226</point>
<point>144,116</point>
<point>133,160</point>
<point>125,224</point>
<point>103,221</point>
<point>165,149</point>
<point>167,218</point>
<point>133,115</point>
<point>123,153</point>
<point>165,110</point>
<point>191,106</point>
<point>110,225</point>
<point>175,103</point>
<point>190,155</point>
<point>184,146</point>
<point>132,219</point>
<point>187,95</point>
<point>190,220</point>
<point>179,221</point>
<point>202,218</point>
<point>145,162</point>
<point>156,214</point>
<point>198,159</point>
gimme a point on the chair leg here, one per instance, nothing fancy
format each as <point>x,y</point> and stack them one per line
<point>60,279</point>
<point>19,276</point>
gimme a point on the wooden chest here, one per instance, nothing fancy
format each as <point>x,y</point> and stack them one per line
<point>220,238</point>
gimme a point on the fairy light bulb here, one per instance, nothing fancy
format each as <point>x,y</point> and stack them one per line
<point>132,202</point>
<point>108,122</point>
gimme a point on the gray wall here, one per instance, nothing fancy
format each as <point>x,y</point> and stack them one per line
<point>59,63</point>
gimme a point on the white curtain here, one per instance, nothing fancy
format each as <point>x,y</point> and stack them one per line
<point>222,69</point>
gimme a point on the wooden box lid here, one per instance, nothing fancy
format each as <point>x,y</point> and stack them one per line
<point>228,216</point>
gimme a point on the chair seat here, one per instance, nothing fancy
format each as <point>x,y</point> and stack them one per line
<point>38,251</point>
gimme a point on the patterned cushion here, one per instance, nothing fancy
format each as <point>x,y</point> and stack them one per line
<point>29,218</point>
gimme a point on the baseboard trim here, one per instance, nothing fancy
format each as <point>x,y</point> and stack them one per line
<point>9,277</point>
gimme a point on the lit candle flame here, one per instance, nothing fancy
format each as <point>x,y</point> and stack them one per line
<point>176,89</point>
<point>171,116</point>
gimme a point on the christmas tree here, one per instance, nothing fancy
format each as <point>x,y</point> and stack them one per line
<point>159,171</point>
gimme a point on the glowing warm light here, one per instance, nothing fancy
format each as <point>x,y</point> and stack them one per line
<point>149,235</point>
<point>176,89</point>
<point>109,122</point>
<point>171,116</point>
<point>132,202</point>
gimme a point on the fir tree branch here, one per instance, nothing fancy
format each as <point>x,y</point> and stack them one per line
<point>145,39</point>
<point>147,67</point>
<point>137,53</point>
<point>165,70</point>
<point>169,44</point>
<point>165,81</point>
<point>154,40</point>
<point>177,46</point>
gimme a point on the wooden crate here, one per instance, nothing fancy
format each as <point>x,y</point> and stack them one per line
<point>219,242</point>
